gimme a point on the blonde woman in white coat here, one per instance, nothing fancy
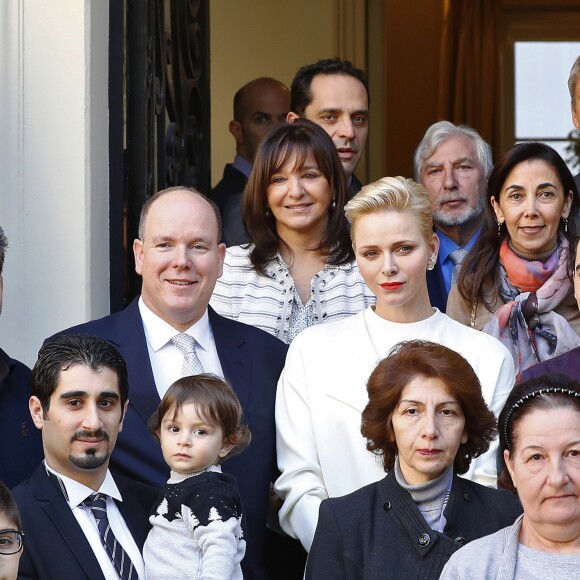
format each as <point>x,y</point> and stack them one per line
<point>322,390</point>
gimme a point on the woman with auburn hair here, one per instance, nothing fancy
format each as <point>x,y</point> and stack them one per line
<point>299,269</point>
<point>322,390</point>
<point>425,420</point>
<point>540,444</point>
<point>515,282</point>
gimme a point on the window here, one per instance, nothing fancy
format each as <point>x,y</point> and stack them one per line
<point>542,100</point>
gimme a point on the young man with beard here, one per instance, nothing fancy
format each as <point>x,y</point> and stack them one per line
<point>80,522</point>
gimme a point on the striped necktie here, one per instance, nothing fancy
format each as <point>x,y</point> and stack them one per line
<point>97,502</point>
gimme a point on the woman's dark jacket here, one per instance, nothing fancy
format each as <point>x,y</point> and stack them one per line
<point>378,532</point>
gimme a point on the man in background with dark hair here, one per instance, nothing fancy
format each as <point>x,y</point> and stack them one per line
<point>259,106</point>
<point>80,522</point>
<point>334,94</point>
<point>23,449</point>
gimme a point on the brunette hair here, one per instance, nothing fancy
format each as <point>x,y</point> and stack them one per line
<point>8,507</point>
<point>214,399</point>
<point>420,358</point>
<point>481,263</point>
<point>547,392</point>
<point>64,351</point>
<point>301,90</point>
<point>301,138</point>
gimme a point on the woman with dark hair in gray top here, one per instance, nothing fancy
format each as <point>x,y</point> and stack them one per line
<point>540,443</point>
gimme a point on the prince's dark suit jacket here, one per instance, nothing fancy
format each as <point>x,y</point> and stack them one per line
<point>378,531</point>
<point>252,361</point>
<point>55,548</point>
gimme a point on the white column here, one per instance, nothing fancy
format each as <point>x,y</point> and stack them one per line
<point>53,168</point>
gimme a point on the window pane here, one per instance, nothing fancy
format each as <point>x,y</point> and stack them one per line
<point>542,97</point>
<point>542,100</point>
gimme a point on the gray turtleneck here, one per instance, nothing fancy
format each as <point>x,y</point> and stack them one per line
<point>431,497</point>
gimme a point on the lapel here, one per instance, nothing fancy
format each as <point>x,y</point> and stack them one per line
<point>230,343</point>
<point>129,337</point>
<point>52,502</point>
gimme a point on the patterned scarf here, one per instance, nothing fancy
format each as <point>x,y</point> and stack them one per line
<point>527,323</point>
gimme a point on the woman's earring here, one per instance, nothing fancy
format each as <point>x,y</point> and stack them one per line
<point>267,211</point>
<point>430,265</point>
<point>498,229</point>
<point>565,225</point>
<point>333,205</point>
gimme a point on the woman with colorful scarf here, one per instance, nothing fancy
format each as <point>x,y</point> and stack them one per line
<point>515,283</point>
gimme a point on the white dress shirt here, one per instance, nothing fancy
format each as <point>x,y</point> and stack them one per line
<point>77,493</point>
<point>166,359</point>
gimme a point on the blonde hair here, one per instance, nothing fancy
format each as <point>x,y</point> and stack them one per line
<point>396,194</point>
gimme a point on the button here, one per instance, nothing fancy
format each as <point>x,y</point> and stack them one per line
<point>424,540</point>
<point>466,497</point>
<point>387,506</point>
<point>461,540</point>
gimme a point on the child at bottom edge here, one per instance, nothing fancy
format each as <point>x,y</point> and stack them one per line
<point>198,520</point>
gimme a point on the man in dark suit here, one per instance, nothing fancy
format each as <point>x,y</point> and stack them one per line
<point>79,399</point>
<point>179,258</point>
<point>334,94</point>
<point>259,106</point>
<point>20,458</point>
<point>574,88</point>
<point>453,163</point>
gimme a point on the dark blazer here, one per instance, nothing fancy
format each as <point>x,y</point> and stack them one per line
<point>233,231</point>
<point>252,361</point>
<point>436,288</point>
<point>233,181</point>
<point>22,451</point>
<point>55,546</point>
<point>354,187</point>
<point>378,531</point>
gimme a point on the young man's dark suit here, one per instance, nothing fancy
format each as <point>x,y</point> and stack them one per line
<point>55,545</point>
<point>252,361</point>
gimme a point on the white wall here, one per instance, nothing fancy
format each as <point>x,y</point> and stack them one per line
<point>53,168</point>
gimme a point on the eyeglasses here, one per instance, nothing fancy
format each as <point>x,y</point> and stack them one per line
<point>10,542</point>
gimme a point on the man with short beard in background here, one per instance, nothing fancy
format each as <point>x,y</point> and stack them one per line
<point>453,163</point>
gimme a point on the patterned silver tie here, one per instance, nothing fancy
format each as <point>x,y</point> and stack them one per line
<point>97,502</point>
<point>456,257</point>
<point>191,363</point>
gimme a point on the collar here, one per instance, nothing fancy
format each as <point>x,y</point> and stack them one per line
<point>158,332</point>
<point>447,245</point>
<point>77,492</point>
<point>242,165</point>
<point>176,477</point>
